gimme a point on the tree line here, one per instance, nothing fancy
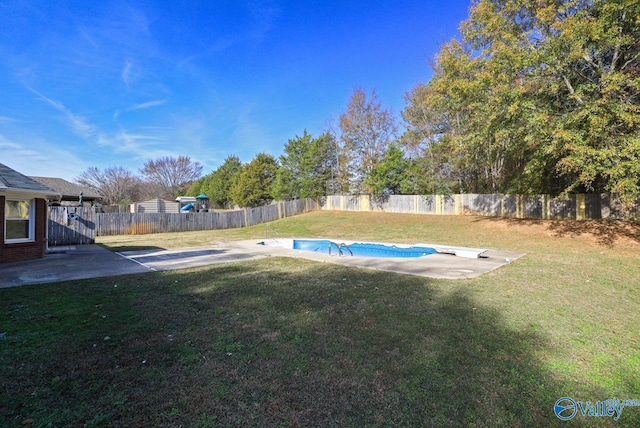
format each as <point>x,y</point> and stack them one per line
<point>360,157</point>
<point>164,178</point>
<point>536,96</point>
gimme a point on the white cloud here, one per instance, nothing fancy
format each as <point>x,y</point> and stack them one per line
<point>136,146</point>
<point>37,157</point>
<point>75,122</point>
<point>5,144</point>
<point>126,73</point>
<point>6,119</point>
<point>148,104</point>
<point>264,13</point>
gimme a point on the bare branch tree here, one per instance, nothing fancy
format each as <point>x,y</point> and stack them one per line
<point>171,174</point>
<point>115,184</point>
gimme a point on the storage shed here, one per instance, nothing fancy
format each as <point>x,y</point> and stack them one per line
<point>156,206</point>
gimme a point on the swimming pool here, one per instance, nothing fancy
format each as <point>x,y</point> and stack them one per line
<point>361,249</point>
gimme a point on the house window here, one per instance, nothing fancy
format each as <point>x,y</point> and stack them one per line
<point>19,220</point>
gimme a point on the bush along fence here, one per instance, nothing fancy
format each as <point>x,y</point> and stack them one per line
<point>577,207</point>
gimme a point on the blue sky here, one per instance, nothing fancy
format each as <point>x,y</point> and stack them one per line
<point>115,83</point>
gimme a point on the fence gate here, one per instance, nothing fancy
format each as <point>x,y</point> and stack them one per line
<point>71,226</point>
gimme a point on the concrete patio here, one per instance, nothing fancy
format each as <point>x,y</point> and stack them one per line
<point>92,261</point>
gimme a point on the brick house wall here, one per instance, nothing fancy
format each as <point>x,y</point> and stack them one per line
<point>25,250</point>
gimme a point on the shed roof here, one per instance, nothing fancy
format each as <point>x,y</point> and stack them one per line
<point>66,188</point>
<point>10,179</point>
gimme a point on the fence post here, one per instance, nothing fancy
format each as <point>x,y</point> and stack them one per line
<point>458,201</point>
<point>365,203</point>
<point>519,206</point>
<point>581,206</point>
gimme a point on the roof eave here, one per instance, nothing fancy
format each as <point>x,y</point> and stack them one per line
<point>4,190</point>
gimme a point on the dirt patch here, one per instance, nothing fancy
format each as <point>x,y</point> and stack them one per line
<point>609,233</point>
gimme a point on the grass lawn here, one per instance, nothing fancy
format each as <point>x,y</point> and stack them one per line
<point>289,342</point>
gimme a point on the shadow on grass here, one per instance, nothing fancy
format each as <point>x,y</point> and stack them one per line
<point>606,232</point>
<point>275,342</point>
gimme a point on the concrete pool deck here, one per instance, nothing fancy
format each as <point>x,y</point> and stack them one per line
<point>434,266</point>
<point>92,261</point>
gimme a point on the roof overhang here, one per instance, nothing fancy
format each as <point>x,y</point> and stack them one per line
<point>21,193</point>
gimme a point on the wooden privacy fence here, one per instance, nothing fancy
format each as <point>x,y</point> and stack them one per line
<point>76,225</point>
<point>71,226</point>
<point>141,223</point>
<point>578,206</point>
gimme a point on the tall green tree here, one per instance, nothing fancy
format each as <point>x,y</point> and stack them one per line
<point>595,130</point>
<point>306,167</point>
<point>430,139</point>
<point>197,186</point>
<point>222,180</point>
<point>538,96</point>
<point>294,166</point>
<point>391,176</point>
<point>367,129</point>
<point>322,178</point>
<point>284,185</point>
<point>217,184</point>
<point>253,184</point>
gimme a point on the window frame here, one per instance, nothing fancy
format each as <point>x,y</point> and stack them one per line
<point>31,219</point>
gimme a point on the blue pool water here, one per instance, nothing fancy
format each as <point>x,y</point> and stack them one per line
<point>360,249</point>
